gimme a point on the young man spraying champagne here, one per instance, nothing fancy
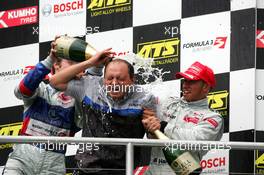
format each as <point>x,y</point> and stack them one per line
<point>188,117</point>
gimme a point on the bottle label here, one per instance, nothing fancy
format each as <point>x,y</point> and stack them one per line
<point>89,51</point>
<point>185,164</point>
<point>63,46</point>
<point>160,135</point>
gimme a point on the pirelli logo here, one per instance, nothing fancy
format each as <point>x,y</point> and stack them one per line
<point>218,100</point>
<point>159,49</point>
<point>10,129</point>
<point>105,4</point>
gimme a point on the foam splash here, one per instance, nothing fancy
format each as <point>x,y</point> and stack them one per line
<point>144,69</point>
<point>146,74</point>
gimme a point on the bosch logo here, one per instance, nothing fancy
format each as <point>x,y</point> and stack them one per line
<point>65,7</point>
<point>46,10</point>
<point>212,163</point>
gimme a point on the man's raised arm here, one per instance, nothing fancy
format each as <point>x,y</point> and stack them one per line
<point>61,79</point>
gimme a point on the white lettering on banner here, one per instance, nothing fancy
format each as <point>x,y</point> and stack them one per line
<point>18,17</point>
<point>22,13</point>
<point>211,163</point>
<point>28,20</point>
<point>75,5</point>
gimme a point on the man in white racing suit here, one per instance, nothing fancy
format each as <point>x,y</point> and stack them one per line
<point>185,118</point>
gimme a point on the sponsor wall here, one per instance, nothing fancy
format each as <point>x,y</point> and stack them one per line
<point>220,33</point>
<point>259,96</point>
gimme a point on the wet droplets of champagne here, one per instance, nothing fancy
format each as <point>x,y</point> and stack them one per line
<point>144,70</point>
<point>150,78</point>
<point>146,74</point>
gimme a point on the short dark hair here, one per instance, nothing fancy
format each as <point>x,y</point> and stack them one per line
<point>129,66</point>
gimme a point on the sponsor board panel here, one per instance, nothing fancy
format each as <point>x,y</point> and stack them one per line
<point>11,129</point>
<point>241,161</point>
<point>15,21</point>
<point>109,14</point>
<point>206,39</point>
<point>119,40</point>
<point>12,37</point>
<point>146,12</point>
<point>260,39</point>
<point>259,157</point>
<point>201,7</point>
<point>260,51</point>
<point>242,100</point>
<point>13,4</point>
<point>243,39</point>
<point>259,161</point>
<point>160,41</point>
<point>10,125</point>
<point>259,99</point>
<point>17,62</point>
<point>260,4</point>
<point>18,17</point>
<point>61,17</point>
<point>218,98</point>
<point>216,161</point>
<point>241,4</point>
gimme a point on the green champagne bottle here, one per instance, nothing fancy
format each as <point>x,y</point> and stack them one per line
<point>73,49</point>
<point>181,161</point>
